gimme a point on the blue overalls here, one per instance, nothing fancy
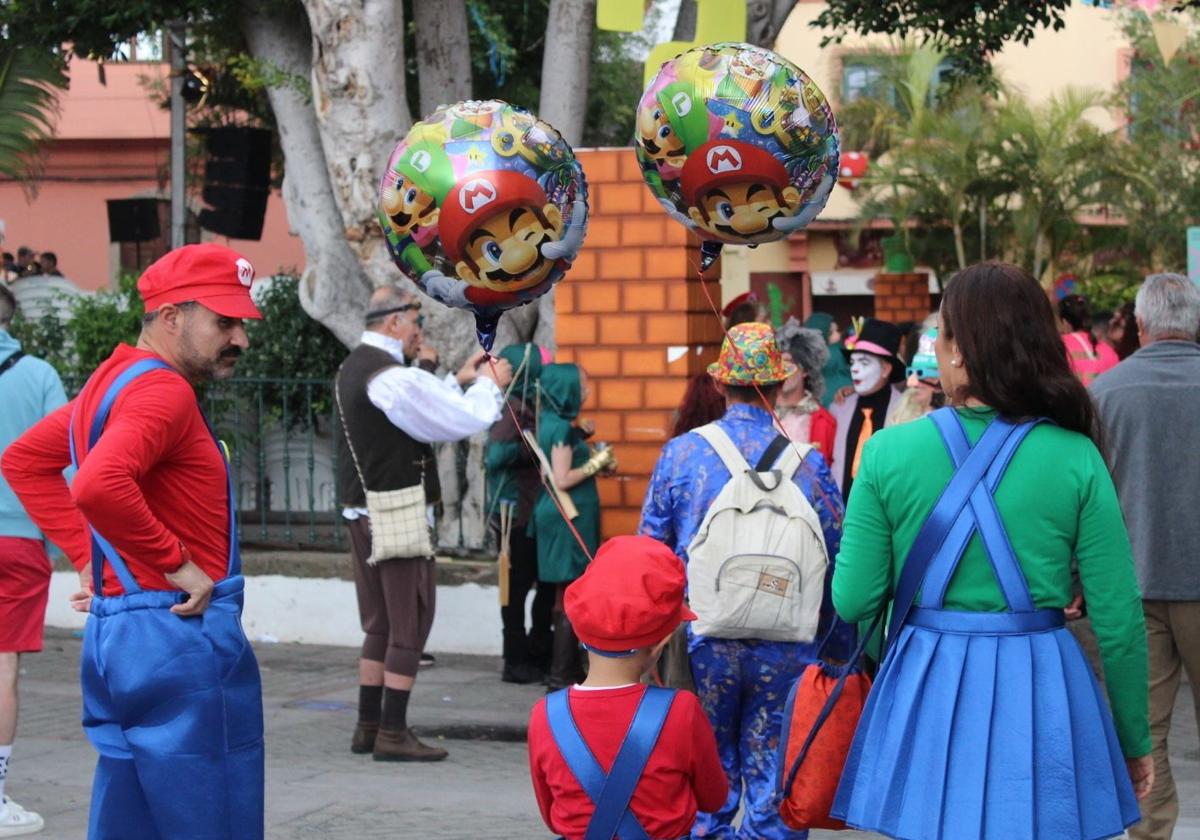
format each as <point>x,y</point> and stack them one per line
<point>982,724</point>
<point>173,705</point>
<point>612,793</point>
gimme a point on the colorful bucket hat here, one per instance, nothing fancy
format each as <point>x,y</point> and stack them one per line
<point>924,362</point>
<point>750,356</point>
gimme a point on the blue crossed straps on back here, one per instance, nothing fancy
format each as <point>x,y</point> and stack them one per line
<point>101,548</point>
<point>611,793</point>
<point>965,507</point>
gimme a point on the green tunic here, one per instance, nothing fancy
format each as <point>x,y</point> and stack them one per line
<point>1057,502</point>
<point>560,559</point>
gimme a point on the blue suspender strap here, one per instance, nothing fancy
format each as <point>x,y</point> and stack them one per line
<point>610,793</point>
<point>101,548</point>
<point>613,807</point>
<point>941,520</point>
<point>984,515</point>
<point>234,566</point>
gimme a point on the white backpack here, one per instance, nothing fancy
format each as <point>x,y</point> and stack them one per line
<point>756,568</point>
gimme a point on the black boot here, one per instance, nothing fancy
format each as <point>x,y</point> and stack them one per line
<point>517,668</point>
<point>566,668</point>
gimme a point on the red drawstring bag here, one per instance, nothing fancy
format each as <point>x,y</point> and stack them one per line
<point>819,721</point>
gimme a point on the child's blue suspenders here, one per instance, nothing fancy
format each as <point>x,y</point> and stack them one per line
<point>611,793</point>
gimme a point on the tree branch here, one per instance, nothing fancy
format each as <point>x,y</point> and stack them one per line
<point>443,53</point>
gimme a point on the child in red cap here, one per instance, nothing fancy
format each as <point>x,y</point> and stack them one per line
<point>613,750</point>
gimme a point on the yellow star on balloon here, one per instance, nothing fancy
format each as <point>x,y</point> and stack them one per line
<point>732,124</point>
<point>475,157</point>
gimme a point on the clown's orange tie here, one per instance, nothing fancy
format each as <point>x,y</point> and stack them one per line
<point>868,428</point>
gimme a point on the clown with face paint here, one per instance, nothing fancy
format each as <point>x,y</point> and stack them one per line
<point>875,368</point>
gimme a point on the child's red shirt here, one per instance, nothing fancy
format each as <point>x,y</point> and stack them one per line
<point>683,774</point>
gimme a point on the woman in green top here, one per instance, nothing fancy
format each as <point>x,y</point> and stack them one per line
<point>561,392</point>
<point>985,720</point>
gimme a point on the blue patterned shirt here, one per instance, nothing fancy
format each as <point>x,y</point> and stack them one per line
<point>690,474</point>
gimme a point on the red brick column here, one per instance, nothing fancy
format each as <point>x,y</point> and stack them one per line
<point>632,313</point>
<point>902,297</point>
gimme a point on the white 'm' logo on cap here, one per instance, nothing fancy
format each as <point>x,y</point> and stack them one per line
<point>420,160</point>
<point>245,272</point>
<point>476,193</point>
<point>682,103</point>
<point>723,159</point>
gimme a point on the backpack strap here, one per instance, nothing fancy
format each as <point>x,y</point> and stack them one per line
<point>773,451</point>
<point>719,440</point>
<point>612,793</point>
<point>13,358</point>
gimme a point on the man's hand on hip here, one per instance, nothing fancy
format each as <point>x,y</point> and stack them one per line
<point>81,601</point>
<point>191,579</point>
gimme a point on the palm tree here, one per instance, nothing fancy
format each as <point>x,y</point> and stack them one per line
<point>30,83</point>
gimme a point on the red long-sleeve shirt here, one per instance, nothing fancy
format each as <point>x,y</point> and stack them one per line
<point>154,482</point>
<point>683,774</point>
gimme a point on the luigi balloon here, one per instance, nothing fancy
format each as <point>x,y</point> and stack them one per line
<point>484,207</point>
<point>737,144</point>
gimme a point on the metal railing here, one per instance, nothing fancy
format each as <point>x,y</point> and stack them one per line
<point>283,458</point>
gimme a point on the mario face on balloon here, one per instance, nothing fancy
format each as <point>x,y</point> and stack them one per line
<point>494,226</point>
<point>738,192</point>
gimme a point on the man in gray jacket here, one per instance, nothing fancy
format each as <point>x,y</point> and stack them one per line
<point>1150,405</point>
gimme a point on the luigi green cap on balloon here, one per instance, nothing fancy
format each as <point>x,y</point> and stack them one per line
<point>427,165</point>
<point>686,112</point>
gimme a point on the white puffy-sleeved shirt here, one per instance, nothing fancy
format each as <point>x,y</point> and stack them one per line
<point>428,409</point>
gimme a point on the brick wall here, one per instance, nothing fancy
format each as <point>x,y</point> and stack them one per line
<point>902,297</point>
<point>632,313</point>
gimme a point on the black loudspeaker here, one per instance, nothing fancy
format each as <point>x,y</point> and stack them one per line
<point>133,219</point>
<point>237,181</point>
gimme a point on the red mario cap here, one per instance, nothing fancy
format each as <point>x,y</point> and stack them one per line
<point>479,197</point>
<point>210,274</point>
<point>723,160</point>
<point>629,597</point>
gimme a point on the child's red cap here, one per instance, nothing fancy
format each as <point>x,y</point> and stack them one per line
<point>629,597</point>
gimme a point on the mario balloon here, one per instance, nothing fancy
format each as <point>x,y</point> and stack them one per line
<point>737,144</point>
<point>484,207</point>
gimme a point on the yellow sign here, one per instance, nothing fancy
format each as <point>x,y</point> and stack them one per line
<point>716,21</point>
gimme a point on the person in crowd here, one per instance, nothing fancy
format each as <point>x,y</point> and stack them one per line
<point>836,372</point>
<point>985,719</point>
<point>513,488</point>
<point>743,309</point>
<point>27,262</point>
<point>1122,331</point>
<point>8,272</point>
<point>1148,405</point>
<point>390,411</point>
<point>742,683</point>
<point>702,403</point>
<point>801,415</point>
<point>29,390</point>
<point>875,368</point>
<point>922,388</point>
<point>1089,358</point>
<point>172,699</point>
<point>624,608</point>
<point>48,264</point>
<point>563,388</point>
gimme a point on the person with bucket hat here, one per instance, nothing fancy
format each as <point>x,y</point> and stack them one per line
<point>657,742</point>
<point>172,698</point>
<point>923,385</point>
<point>875,368</point>
<point>743,682</point>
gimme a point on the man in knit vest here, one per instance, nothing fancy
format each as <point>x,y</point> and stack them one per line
<point>391,413</point>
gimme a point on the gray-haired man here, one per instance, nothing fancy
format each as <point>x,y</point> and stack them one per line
<point>1149,405</point>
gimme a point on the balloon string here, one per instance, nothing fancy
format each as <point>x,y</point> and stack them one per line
<point>550,491</point>
<point>766,403</point>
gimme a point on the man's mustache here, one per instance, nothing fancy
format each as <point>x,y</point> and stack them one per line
<point>231,353</point>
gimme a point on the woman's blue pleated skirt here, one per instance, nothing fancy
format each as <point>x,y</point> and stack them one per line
<point>986,736</point>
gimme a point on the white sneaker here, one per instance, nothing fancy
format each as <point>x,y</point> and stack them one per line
<point>15,821</point>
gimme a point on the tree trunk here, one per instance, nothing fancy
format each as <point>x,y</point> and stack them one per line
<point>1039,254</point>
<point>333,288</point>
<point>566,64</point>
<point>443,53</point>
<point>764,19</point>
<point>960,249</point>
<point>685,21</point>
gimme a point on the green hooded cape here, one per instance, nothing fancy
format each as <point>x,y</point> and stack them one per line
<point>837,369</point>
<point>507,461</point>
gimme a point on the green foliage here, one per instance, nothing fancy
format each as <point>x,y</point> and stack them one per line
<point>30,81</point>
<point>44,337</point>
<point>102,321</point>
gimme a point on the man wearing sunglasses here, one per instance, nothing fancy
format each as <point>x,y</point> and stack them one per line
<point>391,413</point>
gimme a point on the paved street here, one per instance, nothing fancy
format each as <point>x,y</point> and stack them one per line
<point>316,788</point>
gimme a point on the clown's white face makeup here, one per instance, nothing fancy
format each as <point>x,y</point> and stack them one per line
<point>866,372</point>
